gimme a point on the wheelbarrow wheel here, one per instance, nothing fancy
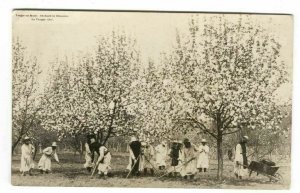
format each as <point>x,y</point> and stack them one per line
<point>278,177</point>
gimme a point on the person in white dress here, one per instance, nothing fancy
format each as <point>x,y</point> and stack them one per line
<point>88,154</point>
<point>203,158</point>
<point>103,161</point>
<point>161,155</point>
<point>27,163</point>
<point>188,160</point>
<point>147,155</point>
<point>240,159</point>
<point>45,161</point>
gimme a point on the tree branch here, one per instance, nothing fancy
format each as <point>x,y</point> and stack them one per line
<point>231,132</point>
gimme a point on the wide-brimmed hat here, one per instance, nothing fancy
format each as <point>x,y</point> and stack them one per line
<point>203,141</point>
<point>54,144</point>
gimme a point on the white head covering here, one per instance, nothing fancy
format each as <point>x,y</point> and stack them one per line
<point>245,137</point>
<point>133,139</point>
<point>203,141</point>
<point>143,143</point>
<point>93,140</point>
<point>26,138</point>
<point>54,144</point>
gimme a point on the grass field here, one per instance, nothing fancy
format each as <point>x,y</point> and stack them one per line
<point>72,173</point>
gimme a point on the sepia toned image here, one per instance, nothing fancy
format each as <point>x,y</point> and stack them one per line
<point>151,99</point>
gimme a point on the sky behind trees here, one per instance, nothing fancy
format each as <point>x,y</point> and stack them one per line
<point>75,33</point>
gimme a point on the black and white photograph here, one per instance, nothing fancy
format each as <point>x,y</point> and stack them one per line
<point>151,99</point>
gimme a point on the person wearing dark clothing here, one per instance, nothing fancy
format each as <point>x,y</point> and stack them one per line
<point>175,154</point>
<point>135,153</point>
<point>94,148</point>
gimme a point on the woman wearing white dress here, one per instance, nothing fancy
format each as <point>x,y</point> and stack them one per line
<point>27,163</point>
<point>240,159</point>
<point>104,161</point>
<point>188,160</point>
<point>45,161</point>
<point>161,155</point>
<point>203,159</point>
<point>88,154</point>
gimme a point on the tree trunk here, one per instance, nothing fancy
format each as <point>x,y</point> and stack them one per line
<point>15,144</point>
<point>220,157</point>
<point>35,151</point>
<point>81,149</point>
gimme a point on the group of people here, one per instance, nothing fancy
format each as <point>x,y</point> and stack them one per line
<point>182,158</point>
<point>44,165</point>
<point>104,156</point>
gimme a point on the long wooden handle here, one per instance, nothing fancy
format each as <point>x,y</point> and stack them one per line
<point>96,166</point>
<point>133,166</point>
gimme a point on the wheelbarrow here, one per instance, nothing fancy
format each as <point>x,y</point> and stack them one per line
<point>266,168</point>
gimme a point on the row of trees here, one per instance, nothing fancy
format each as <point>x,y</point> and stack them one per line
<point>219,79</point>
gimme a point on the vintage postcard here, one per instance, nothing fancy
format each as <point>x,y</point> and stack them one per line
<point>151,99</point>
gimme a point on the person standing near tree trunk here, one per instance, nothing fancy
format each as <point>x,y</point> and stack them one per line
<point>203,159</point>
<point>240,160</point>
<point>27,163</point>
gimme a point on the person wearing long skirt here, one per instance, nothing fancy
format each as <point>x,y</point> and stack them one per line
<point>161,155</point>
<point>45,161</point>
<point>147,162</point>
<point>203,159</point>
<point>188,160</point>
<point>27,163</point>
<point>240,160</point>
<point>104,161</point>
<point>88,154</point>
<point>134,156</point>
<point>175,154</point>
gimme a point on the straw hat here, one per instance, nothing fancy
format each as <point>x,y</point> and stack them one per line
<point>54,144</point>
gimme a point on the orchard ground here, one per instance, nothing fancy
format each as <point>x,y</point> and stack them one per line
<point>72,173</point>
